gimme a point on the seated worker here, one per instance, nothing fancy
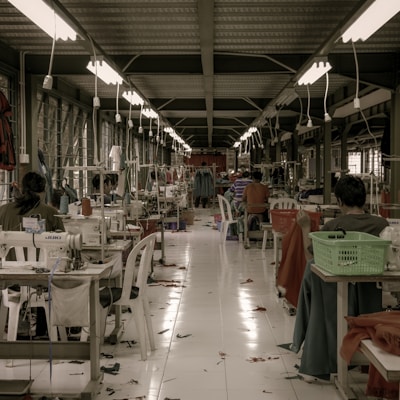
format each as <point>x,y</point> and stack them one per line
<point>255,194</point>
<point>107,188</point>
<point>237,189</point>
<point>316,326</point>
<point>30,201</point>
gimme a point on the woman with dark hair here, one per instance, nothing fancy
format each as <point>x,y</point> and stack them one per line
<point>28,203</point>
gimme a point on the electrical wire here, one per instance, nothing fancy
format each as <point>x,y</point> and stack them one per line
<point>357,105</point>
<point>94,113</point>
<point>116,100</point>
<point>52,47</point>
<point>301,111</point>
<point>326,115</point>
<point>357,69</point>
<point>308,104</point>
<point>128,138</point>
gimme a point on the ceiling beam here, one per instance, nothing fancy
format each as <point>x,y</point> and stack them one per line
<point>206,28</point>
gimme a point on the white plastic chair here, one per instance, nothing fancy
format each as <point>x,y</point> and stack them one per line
<point>226,216</point>
<point>283,203</point>
<point>14,300</point>
<point>140,305</point>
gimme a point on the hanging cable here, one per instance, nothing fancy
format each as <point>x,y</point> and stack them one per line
<point>356,99</point>
<point>301,114</point>
<point>157,137</point>
<point>327,117</point>
<point>150,131</point>
<point>96,105</point>
<point>128,137</point>
<point>117,115</point>
<point>140,130</point>
<point>271,132</point>
<point>48,80</point>
<point>309,121</point>
<point>260,136</point>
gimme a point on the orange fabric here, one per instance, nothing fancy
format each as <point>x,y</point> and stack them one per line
<point>383,328</point>
<point>293,263</point>
<point>256,193</point>
<point>378,387</point>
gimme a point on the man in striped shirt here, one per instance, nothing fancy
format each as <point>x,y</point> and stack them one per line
<point>238,188</point>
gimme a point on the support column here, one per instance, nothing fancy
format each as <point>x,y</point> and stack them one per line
<point>327,162</point>
<point>395,149</point>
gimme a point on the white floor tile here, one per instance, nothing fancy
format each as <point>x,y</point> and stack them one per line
<point>222,302</point>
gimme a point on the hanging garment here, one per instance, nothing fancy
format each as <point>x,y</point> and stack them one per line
<point>7,152</point>
<point>203,183</point>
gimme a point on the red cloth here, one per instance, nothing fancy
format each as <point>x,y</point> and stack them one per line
<point>291,269</point>
<point>383,328</point>
<point>7,152</point>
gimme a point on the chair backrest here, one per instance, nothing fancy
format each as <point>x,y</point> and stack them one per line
<point>286,203</point>
<point>225,208</point>
<point>138,278</point>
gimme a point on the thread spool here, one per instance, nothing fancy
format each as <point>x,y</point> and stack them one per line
<point>86,207</point>
<point>64,202</point>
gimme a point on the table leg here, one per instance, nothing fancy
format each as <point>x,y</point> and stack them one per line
<point>94,330</point>
<point>162,260</point>
<point>341,380</point>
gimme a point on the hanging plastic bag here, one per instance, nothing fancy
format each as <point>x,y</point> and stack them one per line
<point>70,303</point>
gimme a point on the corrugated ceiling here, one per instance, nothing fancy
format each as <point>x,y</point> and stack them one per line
<point>211,67</point>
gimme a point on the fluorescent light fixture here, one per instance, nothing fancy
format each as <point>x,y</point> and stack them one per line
<point>149,113</point>
<point>317,69</point>
<point>43,16</point>
<point>132,97</point>
<point>286,97</point>
<point>270,112</point>
<point>373,18</point>
<point>104,71</point>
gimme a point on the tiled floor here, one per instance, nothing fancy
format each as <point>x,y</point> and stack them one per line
<point>229,345</point>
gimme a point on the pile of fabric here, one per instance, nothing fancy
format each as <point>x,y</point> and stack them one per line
<point>383,328</point>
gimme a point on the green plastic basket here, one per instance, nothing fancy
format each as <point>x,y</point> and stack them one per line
<point>352,253</point>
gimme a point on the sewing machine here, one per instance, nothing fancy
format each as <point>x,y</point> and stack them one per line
<point>116,215</point>
<point>91,228</point>
<point>55,247</point>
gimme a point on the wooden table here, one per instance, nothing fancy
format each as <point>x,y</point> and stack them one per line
<point>341,380</point>
<point>22,274</point>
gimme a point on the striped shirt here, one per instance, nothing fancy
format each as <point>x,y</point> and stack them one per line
<point>238,187</point>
